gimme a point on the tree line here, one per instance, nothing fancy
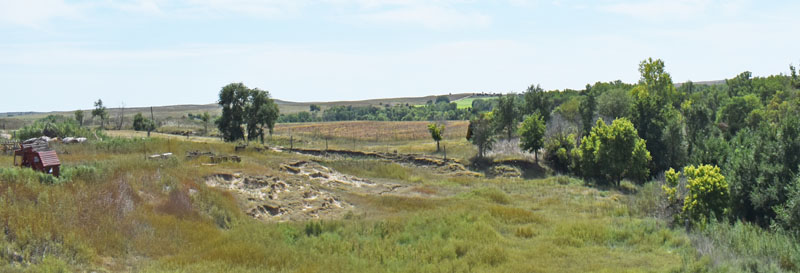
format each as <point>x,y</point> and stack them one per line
<point>732,149</point>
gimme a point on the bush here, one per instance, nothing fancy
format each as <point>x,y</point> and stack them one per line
<point>707,194</point>
<point>611,153</point>
<point>558,152</point>
<point>53,126</point>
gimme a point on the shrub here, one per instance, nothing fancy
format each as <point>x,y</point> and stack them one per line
<point>558,152</point>
<point>53,126</point>
<point>707,194</point>
<point>611,153</point>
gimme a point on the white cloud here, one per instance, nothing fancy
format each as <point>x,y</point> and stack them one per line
<point>35,13</point>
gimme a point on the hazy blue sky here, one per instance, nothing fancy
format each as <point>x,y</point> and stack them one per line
<point>66,54</point>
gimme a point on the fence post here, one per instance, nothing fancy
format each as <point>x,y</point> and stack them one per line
<point>291,143</point>
<point>445,152</point>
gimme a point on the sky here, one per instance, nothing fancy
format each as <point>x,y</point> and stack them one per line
<point>59,55</point>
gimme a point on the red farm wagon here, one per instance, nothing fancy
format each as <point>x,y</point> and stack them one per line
<point>36,154</point>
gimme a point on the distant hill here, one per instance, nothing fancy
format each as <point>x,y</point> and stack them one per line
<point>16,119</point>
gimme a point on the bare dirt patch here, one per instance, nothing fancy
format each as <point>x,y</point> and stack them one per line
<point>310,191</point>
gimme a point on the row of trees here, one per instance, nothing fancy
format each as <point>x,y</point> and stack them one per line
<point>439,110</point>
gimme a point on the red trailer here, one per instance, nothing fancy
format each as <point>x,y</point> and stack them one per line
<point>36,154</point>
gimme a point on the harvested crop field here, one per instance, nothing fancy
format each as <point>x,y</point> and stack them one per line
<point>371,130</point>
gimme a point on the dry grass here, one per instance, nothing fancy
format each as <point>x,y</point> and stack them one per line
<point>374,131</point>
<point>120,212</point>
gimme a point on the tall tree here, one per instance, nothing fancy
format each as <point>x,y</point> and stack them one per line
<point>233,99</point>
<point>100,110</point>
<point>505,115</point>
<point>481,133</point>
<point>532,134</point>
<point>79,117</point>
<point>205,118</point>
<point>261,112</point>
<point>655,117</point>
<point>587,108</point>
<point>536,100</point>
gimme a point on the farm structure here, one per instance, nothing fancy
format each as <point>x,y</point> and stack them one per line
<point>36,154</point>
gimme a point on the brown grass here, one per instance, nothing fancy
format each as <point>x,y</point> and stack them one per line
<point>371,130</point>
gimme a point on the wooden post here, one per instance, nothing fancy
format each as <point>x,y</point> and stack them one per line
<point>445,152</point>
<point>153,119</point>
<point>291,143</point>
<point>326,144</point>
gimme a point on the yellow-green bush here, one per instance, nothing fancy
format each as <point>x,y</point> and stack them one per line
<point>707,193</point>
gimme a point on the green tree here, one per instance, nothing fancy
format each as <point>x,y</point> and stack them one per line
<point>442,99</point>
<point>535,100</point>
<point>587,108</point>
<point>437,131</point>
<point>233,99</point>
<point>655,117</point>
<point>560,151</point>
<point>79,117</point>
<point>481,133</point>
<point>100,110</point>
<point>206,118</point>
<point>707,194</point>
<point>505,115</point>
<point>261,111</point>
<point>532,134</point>
<point>140,123</point>
<point>740,85</point>
<point>615,103</point>
<point>738,112</point>
<point>611,153</point>
<point>314,108</point>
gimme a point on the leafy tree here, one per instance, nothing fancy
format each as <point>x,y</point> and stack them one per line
<point>737,113</point>
<point>206,118</point>
<point>437,131</point>
<point>532,134</point>
<point>442,99</point>
<point>655,116</point>
<point>615,103</point>
<point>559,151</point>
<point>79,117</point>
<point>314,108</point>
<point>535,100</point>
<point>140,123</point>
<point>611,153</point>
<point>587,108</point>
<point>707,194</point>
<point>100,110</point>
<point>261,111</point>
<point>795,78</point>
<point>481,105</point>
<point>505,115</point>
<point>740,85</point>
<point>233,99</point>
<point>481,133</point>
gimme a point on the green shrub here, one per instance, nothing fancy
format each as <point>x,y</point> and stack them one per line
<point>707,194</point>
<point>53,126</point>
<point>558,152</point>
<point>611,153</point>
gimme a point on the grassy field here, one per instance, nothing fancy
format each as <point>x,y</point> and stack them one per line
<point>115,211</point>
<point>467,102</point>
